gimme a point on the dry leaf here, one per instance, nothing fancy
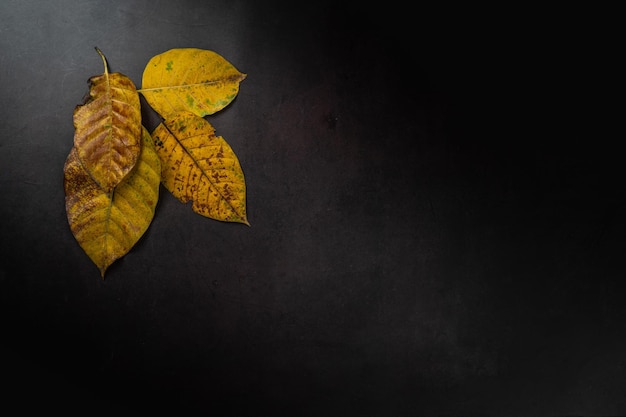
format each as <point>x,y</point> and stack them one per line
<point>114,170</point>
<point>107,225</point>
<point>107,134</point>
<point>197,165</point>
<point>189,79</point>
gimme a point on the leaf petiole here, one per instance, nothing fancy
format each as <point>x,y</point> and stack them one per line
<point>104,61</point>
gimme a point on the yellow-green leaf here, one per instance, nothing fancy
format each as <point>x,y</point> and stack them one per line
<point>107,133</point>
<point>189,79</point>
<point>197,165</point>
<point>107,225</point>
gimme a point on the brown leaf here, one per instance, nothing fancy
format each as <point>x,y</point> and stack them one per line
<point>107,133</point>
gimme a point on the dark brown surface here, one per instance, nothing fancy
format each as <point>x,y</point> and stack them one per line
<point>436,222</point>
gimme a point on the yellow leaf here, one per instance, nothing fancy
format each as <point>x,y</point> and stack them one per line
<point>107,133</point>
<point>197,165</point>
<point>107,225</point>
<point>189,79</point>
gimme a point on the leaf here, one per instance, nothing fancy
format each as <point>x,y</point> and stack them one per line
<point>189,79</point>
<point>107,225</point>
<point>107,133</point>
<point>197,165</point>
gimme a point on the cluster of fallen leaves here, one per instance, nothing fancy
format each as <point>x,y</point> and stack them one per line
<point>113,172</point>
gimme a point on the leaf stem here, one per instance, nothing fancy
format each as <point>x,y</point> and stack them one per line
<point>104,61</point>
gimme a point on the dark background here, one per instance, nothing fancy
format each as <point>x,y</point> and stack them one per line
<point>437,223</point>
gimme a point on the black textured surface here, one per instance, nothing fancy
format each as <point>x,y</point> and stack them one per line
<point>436,222</point>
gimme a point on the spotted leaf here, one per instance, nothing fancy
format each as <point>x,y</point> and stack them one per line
<point>199,166</point>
